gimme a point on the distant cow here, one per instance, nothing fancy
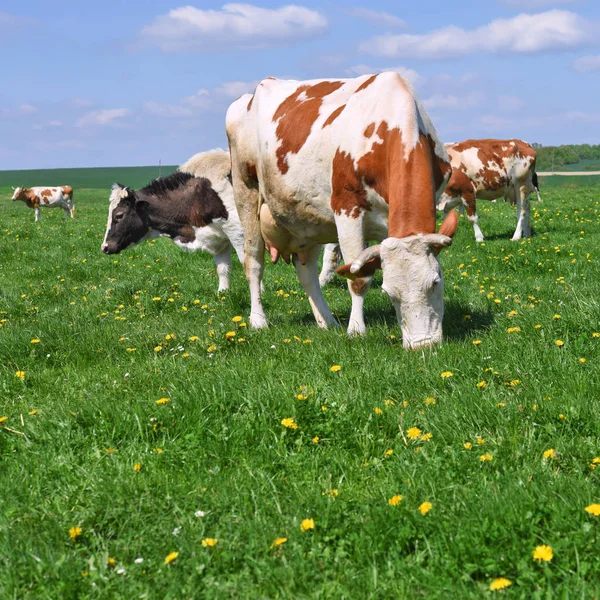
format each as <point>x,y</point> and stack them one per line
<point>491,169</point>
<point>51,197</point>
<point>196,212</point>
<point>318,161</point>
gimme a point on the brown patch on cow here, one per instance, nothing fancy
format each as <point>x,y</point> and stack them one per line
<point>31,199</point>
<point>46,193</point>
<point>359,286</point>
<point>406,185</point>
<point>333,116</point>
<point>250,103</point>
<point>251,172</point>
<point>441,167</point>
<point>365,84</point>
<point>369,130</point>
<point>67,190</point>
<point>459,184</point>
<point>295,118</point>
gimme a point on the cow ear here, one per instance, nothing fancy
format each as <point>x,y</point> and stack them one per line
<point>140,203</point>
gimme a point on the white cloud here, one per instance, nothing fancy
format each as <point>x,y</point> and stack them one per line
<point>81,102</point>
<point>583,116</point>
<point>27,109</point>
<point>533,4</point>
<point>102,117</point>
<point>234,26</point>
<point>56,123</point>
<point>166,110</point>
<point>510,103</point>
<point>553,30</point>
<point>409,74</point>
<point>452,102</point>
<point>585,64</point>
<point>378,17</point>
<point>235,89</point>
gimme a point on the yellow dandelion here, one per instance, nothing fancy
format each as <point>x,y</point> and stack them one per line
<point>157,348</point>
<point>413,433</point>
<point>486,457</point>
<point>429,401</point>
<point>112,561</point>
<point>582,360</point>
<point>446,374</point>
<point>230,335</point>
<point>20,375</point>
<point>163,400</point>
<point>289,423</point>
<point>543,554</point>
<point>35,341</point>
<point>237,319</point>
<point>468,445</point>
<point>193,338</point>
<point>395,500</point>
<point>110,450</point>
<point>596,335</point>
<point>593,509</point>
<point>307,524</point>
<point>315,440</point>
<point>137,467</point>
<point>209,542</point>
<point>377,411</point>
<point>556,317</point>
<point>388,452</point>
<point>500,583</point>
<point>3,419</point>
<point>426,437</point>
<point>538,326</point>
<point>559,343</point>
<point>476,342</point>
<point>170,336</point>
<point>211,348</point>
<point>33,412</point>
<point>550,453</point>
<point>278,542</point>
<point>482,385</point>
<point>389,403</point>
<point>74,532</point>
<point>513,330</point>
<point>156,299</point>
<point>595,460</point>
<point>480,441</point>
<point>171,557</point>
<point>335,368</point>
<point>425,508</point>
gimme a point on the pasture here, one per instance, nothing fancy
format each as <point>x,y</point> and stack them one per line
<point>153,446</point>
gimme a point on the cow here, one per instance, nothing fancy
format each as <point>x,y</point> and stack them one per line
<point>491,169</point>
<point>51,197</point>
<point>321,161</point>
<point>193,206</point>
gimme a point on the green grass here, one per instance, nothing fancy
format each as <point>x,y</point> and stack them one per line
<point>224,451</point>
<point>100,177</point>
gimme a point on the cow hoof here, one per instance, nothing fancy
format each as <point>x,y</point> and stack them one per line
<point>356,329</point>
<point>258,322</point>
<point>479,239</point>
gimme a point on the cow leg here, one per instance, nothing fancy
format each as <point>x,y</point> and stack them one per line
<point>331,259</point>
<point>523,218</point>
<point>223,264</point>
<point>470,207</point>
<point>37,214</point>
<point>352,243</point>
<point>67,211</point>
<point>308,276</point>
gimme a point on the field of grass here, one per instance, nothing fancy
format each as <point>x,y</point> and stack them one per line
<point>152,446</point>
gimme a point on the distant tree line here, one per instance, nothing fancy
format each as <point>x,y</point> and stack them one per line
<point>556,157</point>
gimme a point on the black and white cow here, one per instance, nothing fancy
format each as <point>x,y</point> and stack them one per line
<point>194,207</point>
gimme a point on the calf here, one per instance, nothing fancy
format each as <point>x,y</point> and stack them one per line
<point>318,161</point>
<point>51,197</point>
<point>193,206</point>
<point>491,169</point>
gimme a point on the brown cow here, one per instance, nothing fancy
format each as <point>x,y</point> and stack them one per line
<point>51,197</point>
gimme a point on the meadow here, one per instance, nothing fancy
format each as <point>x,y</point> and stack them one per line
<point>153,446</point>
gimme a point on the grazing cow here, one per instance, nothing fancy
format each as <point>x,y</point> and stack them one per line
<point>491,169</point>
<point>318,161</point>
<point>51,197</point>
<point>194,207</point>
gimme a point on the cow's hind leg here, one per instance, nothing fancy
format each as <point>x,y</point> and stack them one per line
<point>37,214</point>
<point>308,276</point>
<point>223,264</point>
<point>523,218</point>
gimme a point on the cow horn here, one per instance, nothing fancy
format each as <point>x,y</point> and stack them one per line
<point>366,255</point>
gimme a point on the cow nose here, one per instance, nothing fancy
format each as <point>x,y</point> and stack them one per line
<point>105,248</point>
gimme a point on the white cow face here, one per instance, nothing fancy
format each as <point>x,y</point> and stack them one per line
<point>412,278</point>
<point>17,193</point>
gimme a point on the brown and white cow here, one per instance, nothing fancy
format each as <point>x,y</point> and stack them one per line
<point>324,160</point>
<point>51,197</point>
<point>491,169</point>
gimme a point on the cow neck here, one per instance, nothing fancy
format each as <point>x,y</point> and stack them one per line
<point>411,189</point>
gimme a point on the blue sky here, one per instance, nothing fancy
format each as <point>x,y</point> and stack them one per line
<point>117,83</point>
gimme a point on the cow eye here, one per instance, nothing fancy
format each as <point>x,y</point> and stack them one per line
<point>118,217</point>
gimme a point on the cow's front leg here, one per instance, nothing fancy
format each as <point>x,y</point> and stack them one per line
<point>308,276</point>
<point>223,264</point>
<point>331,259</point>
<point>522,214</point>
<point>67,212</point>
<point>352,243</point>
<point>37,214</point>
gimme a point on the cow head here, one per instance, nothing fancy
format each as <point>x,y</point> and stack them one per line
<point>127,220</point>
<point>17,193</point>
<point>412,278</point>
